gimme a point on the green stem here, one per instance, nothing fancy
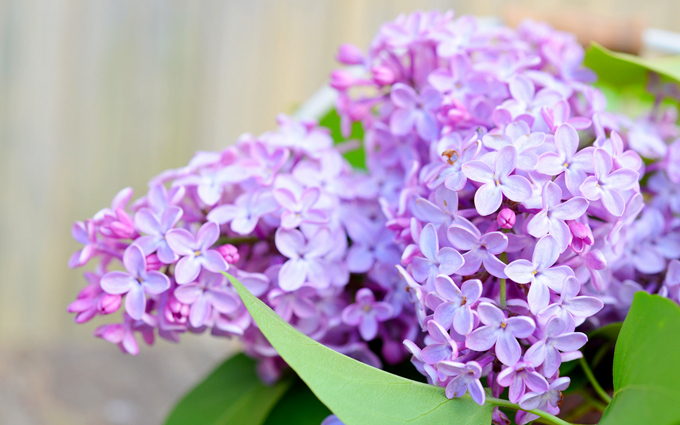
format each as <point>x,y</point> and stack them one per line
<point>236,241</point>
<point>591,401</point>
<point>596,385</point>
<point>504,289</point>
<point>552,419</point>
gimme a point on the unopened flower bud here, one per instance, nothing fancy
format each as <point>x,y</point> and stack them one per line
<point>153,263</point>
<point>229,252</point>
<point>582,236</point>
<point>506,218</point>
<point>350,54</point>
<point>341,79</point>
<point>382,75</point>
<point>109,303</point>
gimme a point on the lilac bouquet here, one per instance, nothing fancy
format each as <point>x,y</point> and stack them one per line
<point>505,213</point>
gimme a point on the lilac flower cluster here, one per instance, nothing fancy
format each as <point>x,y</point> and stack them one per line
<point>521,206</point>
<point>286,215</point>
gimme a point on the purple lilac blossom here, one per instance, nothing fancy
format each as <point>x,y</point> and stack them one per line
<point>530,178</point>
<point>472,148</point>
<point>275,212</point>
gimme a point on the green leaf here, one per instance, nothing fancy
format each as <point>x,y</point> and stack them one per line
<point>608,332</point>
<point>357,157</point>
<point>357,393</point>
<point>298,406</point>
<point>646,365</point>
<point>231,394</point>
<point>621,69</point>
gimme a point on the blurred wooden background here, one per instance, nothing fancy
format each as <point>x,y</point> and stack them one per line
<point>96,95</point>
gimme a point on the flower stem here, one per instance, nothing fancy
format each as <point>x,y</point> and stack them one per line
<point>596,385</point>
<point>237,240</point>
<point>504,290</point>
<point>547,417</point>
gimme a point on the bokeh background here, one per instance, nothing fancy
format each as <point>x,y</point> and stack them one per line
<point>96,95</point>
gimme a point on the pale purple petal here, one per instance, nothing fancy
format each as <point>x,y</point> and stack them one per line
<point>156,282</point>
<point>449,260</point>
<point>482,339</point>
<point>146,222</point>
<point>187,269</point>
<point>199,312</point>
<point>429,243</point>
<point>134,260</point>
<point>508,350</point>
<point>520,327</point>
<point>521,271</point>
<point>207,235</point>
<point>488,199</point>
<point>117,282</point>
<point>135,302</point>
<point>505,162</point>
<point>368,328</point>
<point>516,188</point>
<point>213,261</point>
<point>478,171</point>
<point>181,241</point>
<point>290,243</point>
<point>293,274</point>
<point>189,293</point>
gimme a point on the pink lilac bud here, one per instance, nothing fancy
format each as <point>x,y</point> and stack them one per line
<point>229,252</point>
<point>582,236</point>
<point>350,54</point>
<point>153,263</point>
<point>176,312</point>
<point>382,75</point>
<point>109,303</point>
<point>506,218</point>
<point>341,79</point>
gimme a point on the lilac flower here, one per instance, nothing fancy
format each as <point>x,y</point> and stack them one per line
<point>551,219</point>
<point>525,100</point>
<point>607,184</point>
<point>480,249</point>
<point>497,181</point>
<point>300,209</point>
<point>570,308</point>
<point>147,222</point>
<point>442,212</point>
<point>370,247</point>
<point>540,272</point>
<point>621,158</point>
<point>245,212</point>
<point>458,81</point>
<point>546,351</point>
<point>672,280</point>
<point>443,348</point>
<point>298,302</point>
<point>455,153</point>
<point>454,306</point>
<point>501,331</point>
<point>519,135</point>
<point>196,253</point>
<point>520,376</point>
<point>86,234</point>
<point>210,181</point>
<point>548,401</point>
<point>269,161</point>
<point>466,378</point>
<point>366,313</point>
<point>415,110</point>
<point>123,335</point>
<point>136,282</point>
<point>574,165</point>
<point>435,261</point>
<point>306,258</point>
<point>208,293</point>
<point>93,300</point>
<point>560,114</point>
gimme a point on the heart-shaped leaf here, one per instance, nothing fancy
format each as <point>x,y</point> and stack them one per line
<point>646,365</point>
<point>357,393</point>
<point>231,394</point>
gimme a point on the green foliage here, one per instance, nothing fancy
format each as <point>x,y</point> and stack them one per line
<point>231,394</point>
<point>355,392</point>
<point>356,157</point>
<point>298,406</point>
<point>622,69</point>
<point>646,359</point>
